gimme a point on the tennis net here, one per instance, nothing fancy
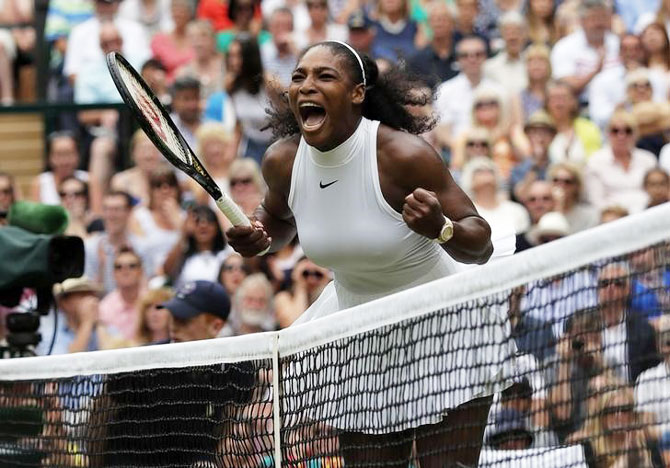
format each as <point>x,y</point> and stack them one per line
<point>552,357</point>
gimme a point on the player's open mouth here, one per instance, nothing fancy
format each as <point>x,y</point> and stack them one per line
<point>312,115</point>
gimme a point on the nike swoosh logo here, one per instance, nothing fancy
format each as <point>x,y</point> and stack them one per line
<point>322,185</point>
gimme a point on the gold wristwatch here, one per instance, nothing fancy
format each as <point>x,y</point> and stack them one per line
<point>447,231</point>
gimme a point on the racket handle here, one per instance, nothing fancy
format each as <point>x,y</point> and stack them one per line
<point>232,211</point>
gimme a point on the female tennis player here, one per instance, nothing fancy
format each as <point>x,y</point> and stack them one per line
<point>374,203</point>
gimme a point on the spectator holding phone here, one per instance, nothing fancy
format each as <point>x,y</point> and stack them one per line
<point>579,359</point>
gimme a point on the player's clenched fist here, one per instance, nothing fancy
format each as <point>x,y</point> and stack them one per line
<point>249,241</point>
<point>423,213</point>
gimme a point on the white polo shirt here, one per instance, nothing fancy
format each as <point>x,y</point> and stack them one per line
<point>573,56</point>
<point>651,394</point>
<point>83,45</point>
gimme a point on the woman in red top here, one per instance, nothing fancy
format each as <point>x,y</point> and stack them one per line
<point>173,49</point>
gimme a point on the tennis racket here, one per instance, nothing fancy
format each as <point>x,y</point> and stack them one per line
<point>161,130</point>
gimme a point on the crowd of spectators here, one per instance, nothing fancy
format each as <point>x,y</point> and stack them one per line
<point>553,117</point>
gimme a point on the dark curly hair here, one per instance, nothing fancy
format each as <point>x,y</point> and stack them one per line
<point>388,96</point>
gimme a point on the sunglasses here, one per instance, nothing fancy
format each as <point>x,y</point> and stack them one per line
<point>127,266</point>
<point>78,193</point>
<point>621,131</point>
<point>245,181</point>
<point>240,268</point>
<point>478,54</point>
<point>482,104</point>
<point>477,144</point>
<point>545,198</point>
<point>618,410</point>
<point>618,282</point>
<point>562,180</point>
<point>316,274</point>
<point>163,184</point>
<point>641,85</point>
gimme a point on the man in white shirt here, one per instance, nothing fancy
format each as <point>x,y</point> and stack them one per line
<point>651,389</point>
<point>508,67</point>
<point>95,85</point>
<point>83,45</point>
<point>186,114</point>
<point>580,56</point>
<point>609,86</point>
<point>454,96</point>
<point>280,56</point>
<point>628,341</point>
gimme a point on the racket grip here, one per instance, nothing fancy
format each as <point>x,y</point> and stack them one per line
<point>232,211</point>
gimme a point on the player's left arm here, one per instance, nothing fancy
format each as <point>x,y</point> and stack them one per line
<point>432,194</point>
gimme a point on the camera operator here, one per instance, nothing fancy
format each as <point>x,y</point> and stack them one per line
<point>77,303</point>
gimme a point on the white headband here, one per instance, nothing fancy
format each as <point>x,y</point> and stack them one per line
<point>358,58</point>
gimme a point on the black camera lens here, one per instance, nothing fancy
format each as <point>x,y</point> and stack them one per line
<point>22,322</point>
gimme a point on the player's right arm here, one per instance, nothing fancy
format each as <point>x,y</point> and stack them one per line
<point>273,224</point>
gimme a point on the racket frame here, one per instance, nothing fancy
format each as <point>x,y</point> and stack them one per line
<point>195,170</point>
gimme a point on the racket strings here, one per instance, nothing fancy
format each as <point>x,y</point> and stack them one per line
<point>155,116</point>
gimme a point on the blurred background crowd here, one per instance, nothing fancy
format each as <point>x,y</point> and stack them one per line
<point>553,115</point>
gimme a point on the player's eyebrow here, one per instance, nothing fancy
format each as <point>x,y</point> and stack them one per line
<point>319,69</point>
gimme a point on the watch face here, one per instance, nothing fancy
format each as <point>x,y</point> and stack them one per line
<point>447,232</point>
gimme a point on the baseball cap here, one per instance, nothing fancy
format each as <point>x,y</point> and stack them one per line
<point>358,20</point>
<point>198,297</point>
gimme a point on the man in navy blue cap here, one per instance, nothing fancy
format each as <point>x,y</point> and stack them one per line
<point>183,414</point>
<point>199,311</point>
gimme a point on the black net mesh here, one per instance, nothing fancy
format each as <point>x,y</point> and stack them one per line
<point>568,370</point>
<point>215,415</point>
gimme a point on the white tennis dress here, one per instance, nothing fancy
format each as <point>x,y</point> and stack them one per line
<point>345,224</point>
